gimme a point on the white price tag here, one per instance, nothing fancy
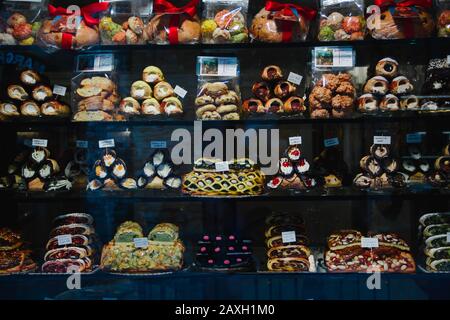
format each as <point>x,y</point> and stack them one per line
<point>369,242</point>
<point>295,140</point>
<point>295,78</point>
<point>82,144</point>
<point>108,143</point>
<point>382,140</point>
<point>59,90</point>
<point>39,143</point>
<point>95,62</point>
<point>448,60</point>
<point>331,142</point>
<point>448,237</point>
<point>222,166</point>
<point>158,144</point>
<point>64,239</point>
<point>140,242</point>
<point>288,236</point>
<point>179,91</point>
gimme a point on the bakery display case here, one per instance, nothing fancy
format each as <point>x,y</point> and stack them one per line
<point>184,150</point>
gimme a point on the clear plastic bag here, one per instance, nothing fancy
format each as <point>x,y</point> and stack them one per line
<point>124,23</point>
<point>19,22</point>
<point>172,25</point>
<point>443,18</point>
<point>402,21</point>
<point>224,21</point>
<point>281,22</point>
<point>95,97</point>
<point>218,94</point>
<point>73,27</point>
<point>342,20</point>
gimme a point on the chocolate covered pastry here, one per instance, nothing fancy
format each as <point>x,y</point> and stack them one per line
<point>379,170</point>
<point>329,165</point>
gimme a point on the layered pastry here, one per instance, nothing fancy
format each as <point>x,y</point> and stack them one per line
<point>333,96</point>
<point>15,257</point>
<point>224,253</point>
<point>287,254</point>
<point>293,172</point>
<point>329,165</point>
<point>274,95</point>
<point>96,98</point>
<point>110,173</point>
<point>126,31</point>
<point>218,101</point>
<point>244,178</point>
<point>342,26</point>
<point>72,246</point>
<point>345,253</point>
<point>162,249</point>
<point>434,229</point>
<point>158,173</point>
<point>151,96</point>
<point>32,98</point>
<point>379,170</point>
<point>387,90</point>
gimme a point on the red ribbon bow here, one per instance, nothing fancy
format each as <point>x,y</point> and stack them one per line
<point>163,6</point>
<point>287,9</point>
<point>404,3</point>
<point>86,12</point>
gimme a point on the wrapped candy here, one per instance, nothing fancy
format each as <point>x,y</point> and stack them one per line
<point>281,22</point>
<point>342,21</point>
<point>66,29</point>
<point>402,19</point>
<point>19,22</point>
<point>172,25</point>
<point>224,21</point>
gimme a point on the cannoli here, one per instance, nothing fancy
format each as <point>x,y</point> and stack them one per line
<point>29,77</point>
<point>140,90</point>
<point>284,89</point>
<point>158,157</point>
<point>152,75</point>
<point>379,151</point>
<point>261,90</point>
<point>17,92</point>
<point>119,169</point>
<point>100,170</point>
<point>173,182</point>
<point>162,90</point>
<point>30,108</point>
<point>151,107</point>
<point>164,170</point>
<point>42,93</point>
<point>94,185</point>
<point>48,168</point>
<point>108,158</point>
<point>128,183</point>
<point>130,106</point>
<point>38,155</point>
<point>272,73</point>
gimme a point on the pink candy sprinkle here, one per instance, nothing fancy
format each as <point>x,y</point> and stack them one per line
<point>231,237</point>
<point>238,260</point>
<point>231,248</point>
<point>217,249</point>
<point>206,238</point>
<point>218,238</point>
<point>226,262</point>
<point>203,249</point>
<point>210,261</point>
<point>244,248</point>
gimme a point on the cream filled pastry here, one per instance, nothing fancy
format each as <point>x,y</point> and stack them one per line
<point>30,108</point>
<point>286,167</point>
<point>17,92</point>
<point>379,151</point>
<point>42,93</point>
<point>302,166</point>
<point>367,103</point>
<point>141,90</point>
<point>172,105</point>
<point>151,107</point>
<point>129,106</point>
<point>162,90</point>
<point>8,109</point>
<point>377,85</point>
<point>30,77</point>
<point>152,75</point>
<point>389,103</point>
<point>401,85</point>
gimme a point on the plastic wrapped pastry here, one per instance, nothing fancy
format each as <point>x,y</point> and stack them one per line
<point>224,21</point>
<point>172,25</point>
<point>342,21</point>
<point>281,22</point>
